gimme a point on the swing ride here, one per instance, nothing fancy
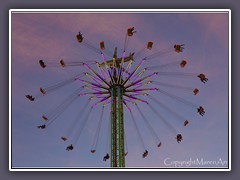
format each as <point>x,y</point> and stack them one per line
<point>116,86</point>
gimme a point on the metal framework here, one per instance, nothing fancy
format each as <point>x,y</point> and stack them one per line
<point>117,126</point>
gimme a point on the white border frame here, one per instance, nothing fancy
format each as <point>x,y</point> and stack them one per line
<point>118,11</point>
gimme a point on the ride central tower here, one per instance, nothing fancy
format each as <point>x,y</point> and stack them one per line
<point>117,157</point>
<point>117,126</point>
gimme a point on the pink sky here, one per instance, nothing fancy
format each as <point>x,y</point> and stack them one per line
<point>52,37</point>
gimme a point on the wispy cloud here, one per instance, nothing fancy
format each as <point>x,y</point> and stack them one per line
<point>215,25</point>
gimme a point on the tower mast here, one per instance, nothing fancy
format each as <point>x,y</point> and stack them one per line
<point>117,120</point>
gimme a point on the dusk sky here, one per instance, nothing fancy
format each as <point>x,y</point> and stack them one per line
<point>52,37</point>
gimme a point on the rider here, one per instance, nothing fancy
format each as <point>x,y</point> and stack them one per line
<point>131,31</point>
<point>42,126</point>
<point>31,98</point>
<point>178,47</point>
<point>203,78</point>
<point>79,37</point>
<point>105,158</point>
<point>145,154</point>
<point>201,110</point>
<point>179,138</point>
<point>69,148</point>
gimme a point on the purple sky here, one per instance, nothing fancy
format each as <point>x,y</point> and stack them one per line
<point>51,36</point>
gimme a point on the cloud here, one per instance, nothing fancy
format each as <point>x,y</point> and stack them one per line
<point>215,24</point>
